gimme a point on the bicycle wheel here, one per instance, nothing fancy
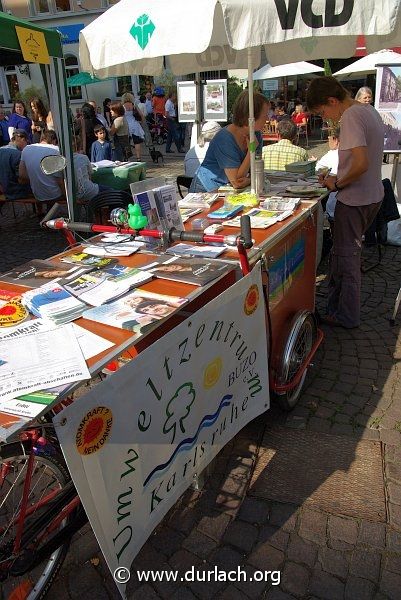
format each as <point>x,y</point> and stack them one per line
<point>303,332</point>
<point>49,476</point>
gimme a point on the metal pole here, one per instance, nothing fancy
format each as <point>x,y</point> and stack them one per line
<point>252,141</point>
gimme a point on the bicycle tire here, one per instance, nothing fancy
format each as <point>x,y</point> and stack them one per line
<point>49,473</point>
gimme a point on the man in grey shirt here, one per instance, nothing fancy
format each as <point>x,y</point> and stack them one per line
<point>359,188</point>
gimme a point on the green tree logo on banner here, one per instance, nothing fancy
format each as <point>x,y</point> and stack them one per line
<point>142,30</point>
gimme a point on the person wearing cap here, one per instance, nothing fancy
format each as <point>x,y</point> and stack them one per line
<point>195,155</point>
<point>10,157</point>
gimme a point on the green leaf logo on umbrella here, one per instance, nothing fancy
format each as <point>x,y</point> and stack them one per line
<point>142,30</point>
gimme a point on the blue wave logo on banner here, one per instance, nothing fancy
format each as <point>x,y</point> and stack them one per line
<point>189,443</point>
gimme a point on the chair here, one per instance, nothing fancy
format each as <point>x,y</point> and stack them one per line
<point>109,199</point>
<point>184,181</point>
<point>303,130</point>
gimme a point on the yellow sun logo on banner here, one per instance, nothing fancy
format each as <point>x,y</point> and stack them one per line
<point>93,430</point>
<point>251,300</point>
<point>212,373</point>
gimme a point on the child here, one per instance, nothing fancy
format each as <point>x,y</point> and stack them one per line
<point>101,149</point>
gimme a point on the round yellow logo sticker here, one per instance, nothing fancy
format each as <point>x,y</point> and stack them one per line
<point>212,373</point>
<point>12,313</point>
<point>251,300</point>
<point>93,430</point>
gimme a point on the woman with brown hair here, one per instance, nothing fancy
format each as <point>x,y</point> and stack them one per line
<point>120,131</point>
<point>39,118</point>
<point>227,159</point>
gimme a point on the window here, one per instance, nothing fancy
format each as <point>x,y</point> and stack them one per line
<point>41,6</point>
<point>12,82</point>
<point>62,5</point>
<point>71,67</point>
<point>124,84</point>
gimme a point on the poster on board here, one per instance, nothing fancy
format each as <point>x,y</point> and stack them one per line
<point>186,99</point>
<point>388,103</point>
<point>215,100</point>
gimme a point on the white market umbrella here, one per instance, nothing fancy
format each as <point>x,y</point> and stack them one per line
<point>367,64</point>
<point>291,69</point>
<point>188,36</point>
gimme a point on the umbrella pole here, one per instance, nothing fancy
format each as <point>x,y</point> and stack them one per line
<point>252,142</point>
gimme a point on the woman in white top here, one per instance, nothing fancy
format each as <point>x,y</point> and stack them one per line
<point>120,132</point>
<point>134,119</point>
<point>197,153</point>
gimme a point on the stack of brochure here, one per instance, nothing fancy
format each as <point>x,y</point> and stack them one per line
<point>192,250</point>
<point>260,219</point>
<point>198,200</point>
<point>104,285</point>
<point>53,302</point>
<point>280,203</point>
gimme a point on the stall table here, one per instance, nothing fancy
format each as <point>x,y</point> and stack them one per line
<point>120,178</point>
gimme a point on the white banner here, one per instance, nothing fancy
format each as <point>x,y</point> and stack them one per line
<point>134,443</point>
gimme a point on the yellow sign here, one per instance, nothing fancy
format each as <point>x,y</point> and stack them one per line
<point>33,45</point>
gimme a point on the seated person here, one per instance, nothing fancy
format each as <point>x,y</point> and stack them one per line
<point>330,161</point>
<point>4,136</point>
<point>195,155</point>
<point>86,189</point>
<point>46,188</point>
<point>279,114</point>
<point>10,157</point>
<point>278,155</point>
<point>299,116</point>
<point>227,159</point>
<point>101,149</point>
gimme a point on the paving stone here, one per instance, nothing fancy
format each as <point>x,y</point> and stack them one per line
<point>149,558</point>
<point>295,579</point>
<point>146,592</point>
<point>313,526</point>
<point>365,564</point>
<point>84,547</point>
<point>393,563</point>
<point>319,425</point>
<point>182,560</point>
<point>301,551</point>
<point>241,535</point>
<point>326,586</point>
<point>265,556</point>
<point>252,588</point>
<point>360,589</point>
<point>183,593</point>
<point>184,520</point>
<point>343,429</point>
<point>227,558</point>
<point>232,593</point>
<point>59,590</point>
<point>254,511</point>
<point>203,588</point>
<point>276,594</point>
<point>199,544</point>
<point>395,515</point>
<point>214,525</point>
<point>284,516</point>
<point>85,580</point>
<point>372,534</point>
<point>274,536</point>
<point>391,585</point>
<point>333,561</point>
<point>343,529</point>
<point>393,540</point>
<point>167,540</point>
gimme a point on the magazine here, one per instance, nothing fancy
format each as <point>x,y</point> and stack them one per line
<point>167,205</point>
<point>104,285</point>
<point>225,213</point>
<point>192,250</point>
<point>37,272</point>
<point>96,262</point>
<point>187,213</point>
<point>147,202</point>
<point>260,218</point>
<point>136,311</point>
<point>188,270</point>
<point>198,199</point>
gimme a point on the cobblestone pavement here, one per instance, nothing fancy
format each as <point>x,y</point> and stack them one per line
<point>353,392</point>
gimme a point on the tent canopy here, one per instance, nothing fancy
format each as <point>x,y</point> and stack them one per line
<point>367,64</point>
<point>83,78</point>
<point>54,80</point>
<point>297,68</point>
